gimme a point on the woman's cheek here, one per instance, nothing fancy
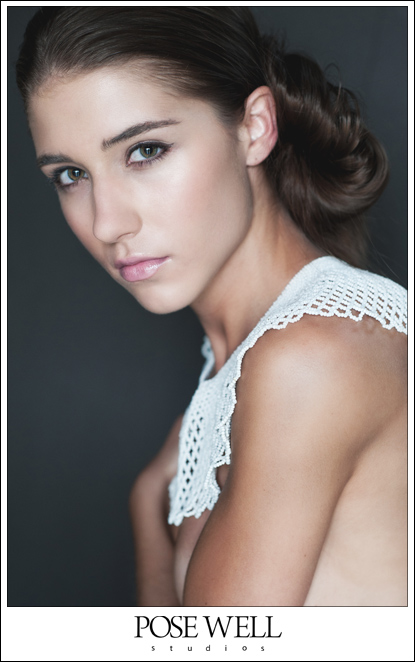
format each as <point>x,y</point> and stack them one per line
<point>208,203</point>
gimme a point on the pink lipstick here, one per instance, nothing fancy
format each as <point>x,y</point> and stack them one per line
<point>135,269</point>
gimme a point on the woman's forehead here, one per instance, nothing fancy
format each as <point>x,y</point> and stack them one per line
<point>122,82</point>
<point>97,106</point>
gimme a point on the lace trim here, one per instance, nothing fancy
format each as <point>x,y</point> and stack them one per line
<point>205,435</point>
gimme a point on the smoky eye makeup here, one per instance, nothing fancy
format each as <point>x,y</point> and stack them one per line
<point>140,155</point>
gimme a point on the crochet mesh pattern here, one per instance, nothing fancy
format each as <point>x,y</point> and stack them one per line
<point>326,286</point>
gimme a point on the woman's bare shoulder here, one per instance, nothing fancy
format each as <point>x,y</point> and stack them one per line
<point>352,370</point>
<point>313,332</point>
<point>308,398</point>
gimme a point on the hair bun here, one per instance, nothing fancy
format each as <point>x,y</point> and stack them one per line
<point>327,166</point>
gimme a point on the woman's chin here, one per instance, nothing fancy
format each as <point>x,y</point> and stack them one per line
<point>161,303</point>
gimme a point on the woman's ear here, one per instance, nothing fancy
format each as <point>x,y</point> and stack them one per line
<point>260,125</point>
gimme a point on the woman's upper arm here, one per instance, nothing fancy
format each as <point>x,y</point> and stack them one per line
<point>296,432</point>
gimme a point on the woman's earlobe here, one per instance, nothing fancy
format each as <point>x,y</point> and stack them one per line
<point>261,124</point>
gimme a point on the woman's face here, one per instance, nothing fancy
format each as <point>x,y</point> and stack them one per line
<point>151,183</point>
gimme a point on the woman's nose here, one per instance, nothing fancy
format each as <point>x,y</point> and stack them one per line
<point>114,213</point>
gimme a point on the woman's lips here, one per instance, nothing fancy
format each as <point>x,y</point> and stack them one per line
<point>140,269</point>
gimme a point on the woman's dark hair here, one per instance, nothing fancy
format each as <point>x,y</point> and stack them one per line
<point>327,169</point>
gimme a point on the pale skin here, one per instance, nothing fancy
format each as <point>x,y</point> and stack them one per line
<point>313,505</point>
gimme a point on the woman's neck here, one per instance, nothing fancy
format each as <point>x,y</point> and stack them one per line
<point>273,251</point>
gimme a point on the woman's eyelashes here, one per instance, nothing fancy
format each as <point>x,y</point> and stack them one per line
<point>147,152</point>
<point>142,155</point>
<point>64,178</point>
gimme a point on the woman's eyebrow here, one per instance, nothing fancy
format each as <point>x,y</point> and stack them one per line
<point>47,159</point>
<point>135,130</point>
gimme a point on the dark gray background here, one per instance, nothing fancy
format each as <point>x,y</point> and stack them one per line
<point>95,381</point>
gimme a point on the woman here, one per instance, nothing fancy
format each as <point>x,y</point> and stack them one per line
<point>232,178</point>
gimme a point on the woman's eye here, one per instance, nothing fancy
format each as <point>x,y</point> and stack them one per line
<point>145,152</point>
<point>71,176</point>
<point>68,178</point>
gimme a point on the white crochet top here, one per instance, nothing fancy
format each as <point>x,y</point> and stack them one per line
<point>326,286</point>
